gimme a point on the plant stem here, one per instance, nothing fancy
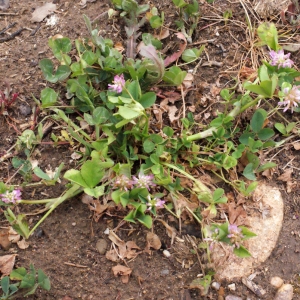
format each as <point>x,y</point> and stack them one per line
<point>209,132</point>
<point>72,192</point>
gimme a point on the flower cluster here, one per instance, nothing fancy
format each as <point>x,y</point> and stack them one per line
<point>235,235</point>
<point>118,84</point>
<point>291,98</point>
<point>123,182</point>
<point>11,197</point>
<point>142,181</point>
<point>155,203</point>
<point>280,59</point>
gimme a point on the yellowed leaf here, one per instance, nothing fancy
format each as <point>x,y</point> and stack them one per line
<point>153,240</point>
<point>7,263</point>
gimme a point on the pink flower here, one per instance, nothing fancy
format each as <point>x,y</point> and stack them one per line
<point>291,99</point>
<point>11,197</point>
<point>118,84</point>
<point>235,235</point>
<point>280,59</point>
<point>123,182</point>
<point>143,181</point>
<point>155,203</point>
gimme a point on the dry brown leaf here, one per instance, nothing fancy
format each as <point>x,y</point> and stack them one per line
<point>42,12</point>
<point>153,240</point>
<point>286,176</point>
<point>188,81</point>
<point>171,231</point>
<point>236,214</point>
<point>119,47</point>
<point>214,90</point>
<point>23,244</point>
<point>163,34</point>
<point>7,263</point>
<point>13,236</point>
<point>122,271</point>
<point>4,239</point>
<point>296,146</point>
<point>112,255</point>
<point>170,59</point>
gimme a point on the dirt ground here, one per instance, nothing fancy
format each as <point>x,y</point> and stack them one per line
<point>65,246</point>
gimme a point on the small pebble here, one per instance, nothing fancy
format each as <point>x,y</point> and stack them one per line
<point>101,246</point>
<point>232,287</point>
<point>215,285</point>
<point>232,297</point>
<point>285,292</point>
<point>74,224</point>
<point>24,109</point>
<point>276,281</point>
<point>165,272</point>
<point>166,253</point>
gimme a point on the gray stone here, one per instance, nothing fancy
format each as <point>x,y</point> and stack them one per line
<point>232,297</point>
<point>101,246</point>
<point>276,281</point>
<point>285,292</point>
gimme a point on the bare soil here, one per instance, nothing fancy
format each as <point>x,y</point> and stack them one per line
<point>65,245</point>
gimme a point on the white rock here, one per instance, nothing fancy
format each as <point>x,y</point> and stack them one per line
<point>232,297</point>
<point>231,267</point>
<point>276,281</point>
<point>166,253</point>
<point>285,292</point>
<point>216,285</point>
<point>232,287</point>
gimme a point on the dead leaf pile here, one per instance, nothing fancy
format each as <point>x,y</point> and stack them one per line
<point>122,271</point>
<point>287,177</point>
<point>42,12</point>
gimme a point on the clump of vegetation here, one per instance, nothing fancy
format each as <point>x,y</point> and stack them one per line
<point>129,161</point>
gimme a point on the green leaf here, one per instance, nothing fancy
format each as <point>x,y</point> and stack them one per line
<point>218,193</point>
<point>281,128</point>
<point>61,73</point>
<point>268,35</point>
<point>48,97</point>
<point>148,99</point>
<point>265,133</point>
<point>148,146</point>
<point>229,162</point>
<point>100,115</point>
<point>266,166</point>
<point>134,90</point>
<point>156,22</point>
<point>146,220</point>
<point>190,55</point>
<point>179,3</point>
<point>251,187</point>
<point>75,176</point>
<point>96,192</point>
<point>249,172</point>
<point>28,281</point>
<point>241,252</point>
<point>18,274</point>
<point>263,73</point>
<point>168,131</point>
<point>60,46</point>
<point>43,280</point>
<point>128,113</point>
<point>5,285</point>
<point>174,76</point>
<point>247,233</point>
<point>257,121</point>
<point>41,174</point>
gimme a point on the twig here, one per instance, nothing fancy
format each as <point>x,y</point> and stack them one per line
<point>7,27</point>
<point>12,36</point>
<point>35,30</point>
<point>75,265</point>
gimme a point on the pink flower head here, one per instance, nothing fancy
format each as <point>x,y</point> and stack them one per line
<point>155,203</point>
<point>291,99</point>
<point>280,59</point>
<point>235,235</point>
<point>118,84</point>
<point>11,197</point>
<point>143,181</point>
<point>123,182</point>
